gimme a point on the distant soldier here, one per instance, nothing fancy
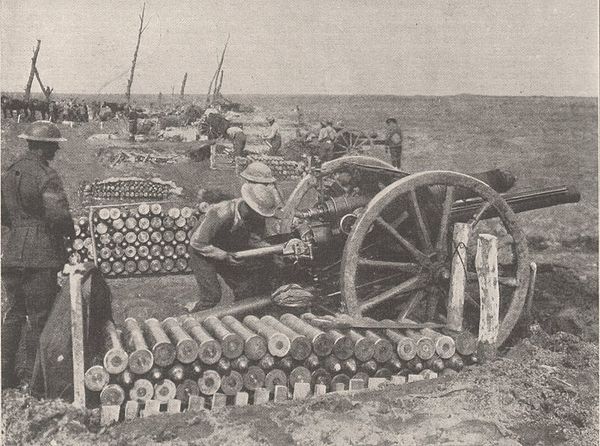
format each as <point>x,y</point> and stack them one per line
<point>36,212</point>
<point>326,139</point>
<point>393,141</point>
<point>238,137</point>
<point>273,136</point>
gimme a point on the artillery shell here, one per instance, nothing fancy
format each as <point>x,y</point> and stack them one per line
<point>364,348</point>
<point>165,390</point>
<point>186,347</point>
<point>95,378</point>
<point>143,265</point>
<point>185,389</point>
<point>240,364</point>
<point>299,375</point>
<point>223,366</point>
<point>168,222</point>
<point>112,395</point>
<point>278,344</point>
<point>143,209</point>
<point>209,382</point>
<point>406,347</point>
<point>180,222</point>
<point>444,345</point>
<point>254,378</point>
<point>362,376</point>
<point>255,346</point>
<point>181,264</point>
<point>414,365</point>
<point>126,379</point>
<point>312,362</point>
<point>176,373</point>
<point>143,237</point>
<point>115,358</point>
<point>286,364</point>
<point>455,363</point>
<point>114,213</point>
<point>395,364</point>
<point>196,368</point>
<point>322,344</point>
<point>174,213</point>
<point>369,367</point>
<point>425,345</point>
<point>209,349</point>
<point>232,383</point>
<point>332,364</point>
<point>163,350</point>
<point>320,376</point>
<point>155,374</point>
<point>343,347</point>
<point>130,223</point>
<point>186,212</point>
<point>140,359</point>
<point>300,346</point>
<point>155,266</point>
<point>231,343</point>
<point>155,208</point>
<point>340,378</point>
<point>105,267</point>
<point>383,350</point>
<point>383,372</point>
<point>168,251</point>
<point>180,235</point>
<point>130,266</point>
<point>118,267</point>
<point>349,366</point>
<point>267,362</point>
<point>168,264</point>
<point>435,363</point>
<point>130,237</point>
<point>156,237</point>
<point>465,342</point>
<point>142,391</point>
<point>275,377</point>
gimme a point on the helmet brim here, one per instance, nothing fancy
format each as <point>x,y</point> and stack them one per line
<point>261,180</point>
<point>250,195</point>
<point>37,138</point>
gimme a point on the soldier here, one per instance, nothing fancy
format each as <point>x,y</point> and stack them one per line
<point>238,137</point>
<point>327,136</point>
<point>273,136</point>
<point>230,226</point>
<point>36,211</point>
<point>393,141</point>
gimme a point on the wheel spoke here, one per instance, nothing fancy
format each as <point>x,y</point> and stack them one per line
<point>423,231</point>
<point>477,216</point>
<point>384,264</point>
<point>411,284</point>
<point>418,255</point>
<point>411,304</point>
<point>443,234</point>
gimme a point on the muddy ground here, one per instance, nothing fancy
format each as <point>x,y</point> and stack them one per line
<point>544,388</point>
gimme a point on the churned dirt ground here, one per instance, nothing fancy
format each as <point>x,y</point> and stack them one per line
<point>542,391</point>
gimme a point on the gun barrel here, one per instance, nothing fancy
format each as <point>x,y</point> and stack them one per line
<point>523,201</point>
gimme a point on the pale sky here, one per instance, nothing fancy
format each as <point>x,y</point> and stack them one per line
<point>514,47</point>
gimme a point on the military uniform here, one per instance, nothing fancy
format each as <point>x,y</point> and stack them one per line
<point>36,211</point>
<point>394,145</point>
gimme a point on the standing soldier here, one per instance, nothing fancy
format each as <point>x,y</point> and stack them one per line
<point>36,212</point>
<point>273,136</point>
<point>238,137</point>
<point>393,141</point>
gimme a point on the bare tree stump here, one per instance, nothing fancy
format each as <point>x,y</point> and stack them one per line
<point>486,262</point>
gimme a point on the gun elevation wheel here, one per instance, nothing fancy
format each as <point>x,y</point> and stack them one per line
<point>397,258</point>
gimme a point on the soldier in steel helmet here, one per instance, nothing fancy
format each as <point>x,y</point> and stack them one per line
<point>393,141</point>
<point>36,212</point>
<point>230,226</point>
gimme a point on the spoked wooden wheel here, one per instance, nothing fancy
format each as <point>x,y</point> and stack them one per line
<point>348,141</point>
<point>397,259</point>
<point>306,195</point>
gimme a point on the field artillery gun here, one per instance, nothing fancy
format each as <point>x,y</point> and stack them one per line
<point>368,239</point>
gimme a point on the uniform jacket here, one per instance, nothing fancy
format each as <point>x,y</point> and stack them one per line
<point>394,139</point>
<point>36,211</point>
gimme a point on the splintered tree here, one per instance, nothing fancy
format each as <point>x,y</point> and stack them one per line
<point>141,30</point>
<point>182,91</point>
<point>217,78</point>
<point>32,71</point>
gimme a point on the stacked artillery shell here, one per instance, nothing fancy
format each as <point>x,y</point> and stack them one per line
<point>180,358</point>
<point>144,239</point>
<point>125,188</point>
<point>80,247</point>
<point>282,169</point>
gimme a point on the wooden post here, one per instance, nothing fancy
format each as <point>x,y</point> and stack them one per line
<point>486,262</point>
<point>141,30</point>
<point>181,93</point>
<point>75,278</point>
<point>458,276</point>
<point>32,71</point>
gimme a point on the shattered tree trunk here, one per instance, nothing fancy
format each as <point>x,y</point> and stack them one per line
<point>32,71</point>
<point>47,92</point>
<point>141,30</point>
<point>215,78</point>
<point>181,93</point>
<point>220,83</point>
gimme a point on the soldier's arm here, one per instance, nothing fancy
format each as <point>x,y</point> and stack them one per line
<point>202,236</point>
<point>4,215</point>
<point>56,206</point>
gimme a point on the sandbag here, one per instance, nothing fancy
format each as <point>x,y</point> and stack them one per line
<point>53,369</point>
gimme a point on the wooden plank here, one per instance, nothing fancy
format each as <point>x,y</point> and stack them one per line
<point>261,396</point>
<point>486,263</point>
<point>428,374</point>
<point>219,401</point>
<point>77,334</point>
<point>174,406</point>
<point>195,403</point>
<point>301,391</point>
<point>458,276</point>
<point>132,410</point>
<point>280,394</point>
<point>241,399</point>
<point>356,384</point>
<point>376,383</point>
<point>152,407</point>
<point>413,378</point>
<point>109,415</point>
<point>398,379</point>
<point>320,389</point>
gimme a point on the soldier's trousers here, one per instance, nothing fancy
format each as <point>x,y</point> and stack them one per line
<point>30,294</point>
<point>396,155</point>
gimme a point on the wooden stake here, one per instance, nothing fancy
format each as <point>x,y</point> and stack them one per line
<point>75,278</point>
<point>486,263</point>
<point>458,276</point>
<point>32,71</point>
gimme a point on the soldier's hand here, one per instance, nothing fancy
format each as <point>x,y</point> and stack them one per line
<point>231,260</point>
